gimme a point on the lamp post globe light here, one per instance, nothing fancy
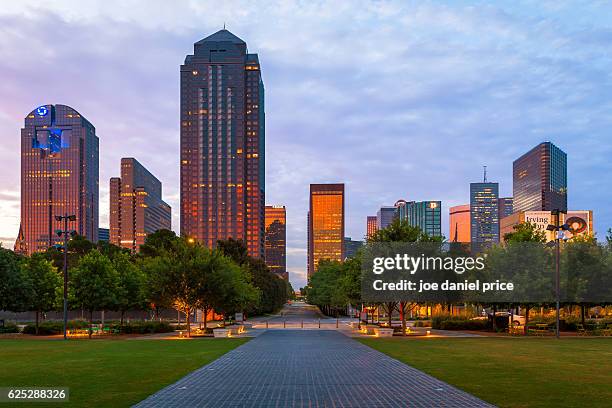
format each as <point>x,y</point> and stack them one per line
<point>67,234</point>
<point>559,235</point>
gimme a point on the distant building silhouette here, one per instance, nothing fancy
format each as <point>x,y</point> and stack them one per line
<point>276,239</point>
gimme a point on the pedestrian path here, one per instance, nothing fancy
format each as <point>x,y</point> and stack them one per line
<point>319,368</point>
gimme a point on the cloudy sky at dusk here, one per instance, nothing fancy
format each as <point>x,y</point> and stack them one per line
<point>395,99</point>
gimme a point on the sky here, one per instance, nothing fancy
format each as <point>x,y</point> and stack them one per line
<point>396,99</point>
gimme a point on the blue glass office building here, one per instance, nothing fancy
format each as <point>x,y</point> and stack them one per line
<point>540,179</point>
<point>484,212</point>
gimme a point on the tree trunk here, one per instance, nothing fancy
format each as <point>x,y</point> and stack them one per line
<point>494,317</point>
<point>582,314</point>
<point>122,315</point>
<point>37,322</point>
<point>205,311</point>
<point>526,332</point>
<point>403,317</point>
<point>188,315</point>
<point>90,323</point>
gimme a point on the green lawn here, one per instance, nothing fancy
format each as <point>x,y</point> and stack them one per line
<point>105,373</point>
<point>514,372</point>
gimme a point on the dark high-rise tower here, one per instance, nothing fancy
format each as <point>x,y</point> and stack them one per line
<point>222,143</point>
<point>276,239</point>
<point>540,179</point>
<point>59,175</point>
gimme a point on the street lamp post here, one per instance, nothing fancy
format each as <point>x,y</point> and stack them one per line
<point>66,233</point>
<point>558,229</point>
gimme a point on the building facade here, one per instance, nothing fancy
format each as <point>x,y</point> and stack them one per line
<point>276,239</point>
<point>104,234</point>
<point>427,215</point>
<point>59,176</point>
<point>385,217</point>
<point>325,224</point>
<point>351,247</point>
<point>579,223</point>
<point>371,226</point>
<point>505,207</point>
<point>136,206</point>
<point>540,179</point>
<point>459,223</point>
<point>223,143</point>
<point>484,212</point>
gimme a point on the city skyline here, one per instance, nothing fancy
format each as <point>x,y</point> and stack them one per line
<point>141,60</point>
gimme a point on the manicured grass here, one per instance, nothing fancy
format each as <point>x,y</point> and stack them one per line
<point>105,373</point>
<point>514,372</point>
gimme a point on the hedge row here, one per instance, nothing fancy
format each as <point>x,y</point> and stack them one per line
<point>134,327</point>
<point>458,323</point>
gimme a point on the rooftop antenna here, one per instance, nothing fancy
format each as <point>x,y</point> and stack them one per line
<point>224,25</point>
<point>485,173</point>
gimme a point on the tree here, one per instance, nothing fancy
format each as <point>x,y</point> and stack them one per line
<point>191,276</point>
<point>13,288</point>
<point>157,242</point>
<point>94,284</point>
<point>131,284</point>
<point>525,232</point>
<point>274,291</point>
<point>44,284</point>
<point>401,231</point>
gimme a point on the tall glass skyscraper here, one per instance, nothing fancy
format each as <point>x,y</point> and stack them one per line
<point>384,217</point>
<point>223,143</point>
<point>136,206</point>
<point>325,224</point>
<point>276,239</point>
<point>540,179</point>
<point>427,215</point>
<point>59,175</point>
<point>484,212</point>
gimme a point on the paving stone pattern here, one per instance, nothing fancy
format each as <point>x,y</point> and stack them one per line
<point>295,368</point>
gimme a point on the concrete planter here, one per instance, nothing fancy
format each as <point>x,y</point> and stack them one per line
<point>370,328</point>
<point>221,332</point>
<point>380,332</point>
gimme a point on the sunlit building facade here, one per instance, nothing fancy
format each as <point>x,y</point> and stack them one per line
<point>223,143</point>
<point>325,224</point>
<point>484,212</point>
<point>371,226</point>
<point>136,206</point>
<point>276,239</point>
<point>59,176</point>
<point>540,179</point>
<point>459,223</point>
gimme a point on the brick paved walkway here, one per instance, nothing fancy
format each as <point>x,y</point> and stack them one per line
<point>293,368</point>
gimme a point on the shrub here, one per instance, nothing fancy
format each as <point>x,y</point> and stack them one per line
<point>9,328</point>
<point>458,323</point>
<point>143,327</point>
<point>422,323</point>
<point>54,327</point>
